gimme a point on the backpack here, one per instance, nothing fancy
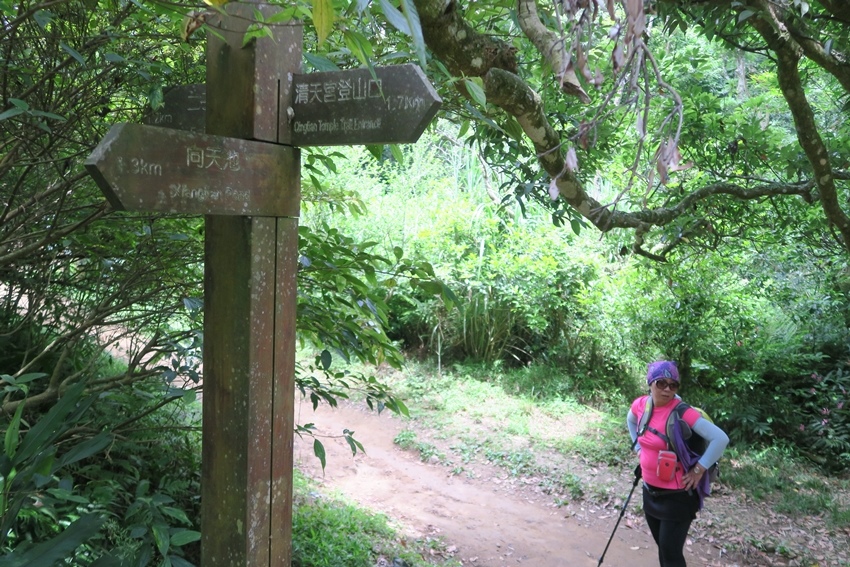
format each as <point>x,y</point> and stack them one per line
<point>696,443</point>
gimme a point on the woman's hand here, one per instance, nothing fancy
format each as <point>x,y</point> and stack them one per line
<point>691,479</point>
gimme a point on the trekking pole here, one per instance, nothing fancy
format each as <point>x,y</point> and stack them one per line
<point>622,513</point>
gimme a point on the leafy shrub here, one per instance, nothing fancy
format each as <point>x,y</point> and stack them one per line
<point>824,428</point>
<point>138,503</point>
<point>37,497</point>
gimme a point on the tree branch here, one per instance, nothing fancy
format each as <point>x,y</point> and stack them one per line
<point>788,59</point>
<point>552,47</point>
<point>465,52</point>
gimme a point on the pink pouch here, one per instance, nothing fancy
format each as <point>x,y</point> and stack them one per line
<point>666,465</point>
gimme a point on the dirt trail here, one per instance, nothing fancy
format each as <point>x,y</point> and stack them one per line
<point>484,521</point>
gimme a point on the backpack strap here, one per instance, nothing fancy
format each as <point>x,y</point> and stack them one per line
<point>643,422</point>
<point>677,417</point>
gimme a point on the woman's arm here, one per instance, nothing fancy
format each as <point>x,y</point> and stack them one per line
<point>716,438</point>
<point>632,423</point>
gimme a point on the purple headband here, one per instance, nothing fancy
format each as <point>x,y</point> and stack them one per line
<point>662,369</point>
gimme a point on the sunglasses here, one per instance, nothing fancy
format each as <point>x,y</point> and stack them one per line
<point>664,385</point>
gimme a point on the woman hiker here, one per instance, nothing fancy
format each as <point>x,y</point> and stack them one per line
<point>675,478</point>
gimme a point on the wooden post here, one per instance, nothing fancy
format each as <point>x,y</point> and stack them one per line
<point>243,173</point>
<point>249,313</point>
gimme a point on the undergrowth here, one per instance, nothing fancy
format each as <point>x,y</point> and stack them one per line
<point>329,532</point>
<point>788,483</point>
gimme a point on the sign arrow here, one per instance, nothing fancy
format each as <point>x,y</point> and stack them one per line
<point>332,108</point>
<point>147,168</point>
<point>353,107</point>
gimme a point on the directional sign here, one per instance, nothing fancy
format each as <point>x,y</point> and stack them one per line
<point>332,108</point>
<point>146,168</point>
<point>183,108</point>
<point>353,107</point>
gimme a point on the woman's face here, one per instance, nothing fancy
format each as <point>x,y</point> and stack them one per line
<point>663,391</point>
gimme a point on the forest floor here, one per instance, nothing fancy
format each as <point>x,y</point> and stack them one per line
<point>484,515</point>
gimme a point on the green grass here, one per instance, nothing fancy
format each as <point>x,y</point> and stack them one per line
<point>788,482</point>
<point>518,462</point>
<point>477,393</point>
<point>467,449</point>
<point>406,439</point>
<point>606,442</point>
<point>572,485</point>
<point>328,532</point>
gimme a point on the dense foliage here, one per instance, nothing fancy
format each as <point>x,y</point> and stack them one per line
<point>689,143</point>
<point>751,328</point>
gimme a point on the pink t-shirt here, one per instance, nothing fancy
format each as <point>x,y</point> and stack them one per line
<point>651,444</point>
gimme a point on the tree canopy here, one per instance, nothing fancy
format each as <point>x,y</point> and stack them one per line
<point>604,107</point>
<point>576,74</point>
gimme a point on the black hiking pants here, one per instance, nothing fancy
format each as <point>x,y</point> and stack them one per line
<point>670,537</point>
<point>669,514</point>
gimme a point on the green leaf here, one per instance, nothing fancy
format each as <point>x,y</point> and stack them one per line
<point>431,287</point>
<point>72,52</point>
<point>189,396</point>
<point>51,424</point>
<point>376,150</point>
<point>43,463</point>
<point>42,18</point>
<point>12,112</point>
<point>744,15</point>
<point>475,88</point>
<point>399,407</point>
<point>353,443</point>
<point>48,553</point>
<point>161,537</point>
<point>319,451</point>
<point>12,431</point>
<point>176,513</point>
<point>323,18</point>
<point>412,17</point>
<point>395,17</point>
<point>66,496</point>
<point>85,450</point>
<point>513,129</point>
<point>50,115</point>
<point>320,63</point>
<point>184,537</point>
<point>448,296</point>
<point>369,271</point>
<point>326,359</point>
<point>575,225</point>
<point>395,150</point>
<point>254,31</point>
<point>359,46</point>
<point>156,97</point>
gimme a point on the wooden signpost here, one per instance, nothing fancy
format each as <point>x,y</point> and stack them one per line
<point>334,108</point>
<point>146,168</point>
<point>183,108</point>
<point>242,170</point>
